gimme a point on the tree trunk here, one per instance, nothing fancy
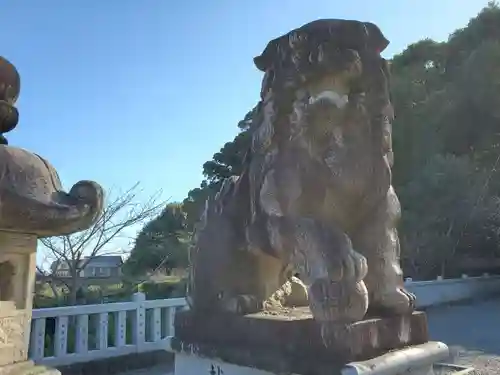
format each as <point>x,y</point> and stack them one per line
<point>74,288</point>
<point>443,268</point>
<point>453,250</point>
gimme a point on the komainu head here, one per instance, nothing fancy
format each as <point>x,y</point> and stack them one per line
<point>317,49</point>
<point>330,71</point>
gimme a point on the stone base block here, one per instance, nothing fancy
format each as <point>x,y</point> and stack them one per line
<point>27,368</point>
<point>416,360</point>
<point>281,342</point>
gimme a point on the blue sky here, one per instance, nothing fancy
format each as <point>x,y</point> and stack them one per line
<point>121,91</point>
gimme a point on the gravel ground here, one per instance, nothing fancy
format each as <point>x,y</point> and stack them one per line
<point>472,332</point>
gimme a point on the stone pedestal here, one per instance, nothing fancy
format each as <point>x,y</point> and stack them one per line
<point>290,343</point>
<point>27,368</point>
<point>17,272</point>
<point>17,278</point>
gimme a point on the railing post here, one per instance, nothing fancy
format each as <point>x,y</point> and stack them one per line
<point>155,325</point>
<point>121,328</point>
<point>169,320</point>
<point>139,321</point>
<point>102,331</point>
<point>37,341</point>
<point>82,333</point>
<point>61,336</point>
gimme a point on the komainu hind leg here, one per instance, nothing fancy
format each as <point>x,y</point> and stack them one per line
<point>223,274</point>
<point>378,242</point>
<point>258,281</point>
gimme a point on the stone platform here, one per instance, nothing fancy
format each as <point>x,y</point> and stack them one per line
<point>290,341</point>
<point>27,368</point>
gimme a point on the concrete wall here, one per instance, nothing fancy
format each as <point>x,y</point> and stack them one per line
<point>437,292</point>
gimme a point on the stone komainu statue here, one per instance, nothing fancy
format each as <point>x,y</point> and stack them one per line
<point>315,196</point>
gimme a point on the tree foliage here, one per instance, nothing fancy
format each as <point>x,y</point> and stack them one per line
<point>161,244</point>
<point>446,98</point>
<point>448,211</point>
<point>225,163</point>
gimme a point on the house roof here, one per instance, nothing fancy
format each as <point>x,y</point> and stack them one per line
<point>97,261</point>
<point>105,260</point>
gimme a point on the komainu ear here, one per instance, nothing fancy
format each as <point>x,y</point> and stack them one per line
<point>271,53</point>
<point>265,60</point>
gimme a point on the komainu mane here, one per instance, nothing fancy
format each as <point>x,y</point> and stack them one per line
<point>315,196</point>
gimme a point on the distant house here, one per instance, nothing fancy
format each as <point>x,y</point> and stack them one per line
<point>96,270</point>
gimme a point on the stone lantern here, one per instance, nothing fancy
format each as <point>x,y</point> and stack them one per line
<point>32,205</point>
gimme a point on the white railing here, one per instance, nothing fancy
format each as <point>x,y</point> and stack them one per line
<point>440,291</point>
<point>66,335</point>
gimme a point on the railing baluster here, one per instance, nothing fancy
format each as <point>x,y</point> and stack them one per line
<point>138,321</point>
<point>82,333</point>
<point>169,320</point>
<point>155,325</point>
<point>37,339</point>
<point>61,336</point>
<point>102,331</point>
<point>120,328</point>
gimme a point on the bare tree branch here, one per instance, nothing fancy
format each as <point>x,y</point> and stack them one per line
<point>76,250</point>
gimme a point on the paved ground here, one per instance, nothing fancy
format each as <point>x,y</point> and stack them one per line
<point>471,331</point>
<point>157,370</point>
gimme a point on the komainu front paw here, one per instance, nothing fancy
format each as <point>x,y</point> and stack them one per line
<point>396,302</point>
<point>356,266</point>
<point>412,297</point>
<point>343,302</point>
<point>335,317</point>
<point>350,267</point>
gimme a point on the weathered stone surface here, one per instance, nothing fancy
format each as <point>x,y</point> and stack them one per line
<point>292,338</point>
<point>10,84</point>
<point>13,331</point>
<point>17,277</point>
<point>315,195</point>
<point>27,368</point>
<point>32,199</point>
